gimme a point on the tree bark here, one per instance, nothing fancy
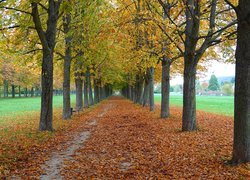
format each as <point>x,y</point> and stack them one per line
<point>151,89</point>
<point>146,91</point>
<point>129,92</point>
<point>91,101</point>
<point>103,93</point>
<point>86,93</point>
<point>191,59</point>
<point>165,87</point>
<point>241,146</point>
<point>189,99</point>
<point>66,67</point>
<point>32,92</point>
<point>47,92</point>
<point>133,93</point>
<point>96,92</point>
<point>26,92</point>
<point>100,93</point>
<point>5,88</point>
<point>13,91</point>
<point>139,89</point>
<point>47,39</point>
<point>79,101</point>
<point>19,91</point>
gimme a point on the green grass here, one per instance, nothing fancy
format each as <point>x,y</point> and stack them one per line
<point>216,104</point>
<point>15,107</point>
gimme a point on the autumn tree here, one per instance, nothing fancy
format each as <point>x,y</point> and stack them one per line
<point>197,40</point>
<point>241,146</point>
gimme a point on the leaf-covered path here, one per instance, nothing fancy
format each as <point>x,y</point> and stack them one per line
<point>125,141</point>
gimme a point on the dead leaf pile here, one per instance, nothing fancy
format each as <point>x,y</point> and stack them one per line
<point>129,142</point>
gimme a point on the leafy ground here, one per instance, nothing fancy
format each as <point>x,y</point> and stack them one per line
<point>123,141</point>
<point>216,104</point>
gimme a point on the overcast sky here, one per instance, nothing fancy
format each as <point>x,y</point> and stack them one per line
<point>216,68</point>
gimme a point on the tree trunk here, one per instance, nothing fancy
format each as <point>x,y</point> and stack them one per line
<point>100,93</point>
<point>146,91</point>
<point>103,93</point>
<point>13,91</point>
<point>19,91</point>
<point>32,92</point>
<point>47,39</point>
<point>189,99</point>
<point>96,92</point>
<point>129,92</point>
<point>91,101</point>
<point>5,88</point>
<point>47,92</point>
<point>241,146</point>
<point>139,89</point>
<point>26,92</point>
<point>133,93</point>
<point>151,89</point>
<point>66,67</point>
<point>86,93</point>
<point>79,101</point>
<point>165,87</point>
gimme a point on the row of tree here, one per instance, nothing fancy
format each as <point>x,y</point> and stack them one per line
<point>129,45</point>
<point>189,29</point>
<point>66,30</point>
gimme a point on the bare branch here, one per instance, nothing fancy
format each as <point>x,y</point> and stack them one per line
<point>31,51</point>
<point>38,25</point>
<point>40,4</point>
<point>230,4</point>
<point>14,9</point>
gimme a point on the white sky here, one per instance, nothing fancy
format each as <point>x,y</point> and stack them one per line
<point>219,69</point>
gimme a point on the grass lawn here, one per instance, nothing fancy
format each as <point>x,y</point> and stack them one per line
<point>216,104</point>
<point>16,107</point>
<point>11,109</point>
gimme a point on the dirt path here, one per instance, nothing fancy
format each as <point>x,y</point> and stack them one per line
<point>54,165</point>
<point>121,140</point>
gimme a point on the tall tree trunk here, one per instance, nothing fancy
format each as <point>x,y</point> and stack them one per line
<point>165,87</point>
<point>241,146</point>
<point>103,93</point>
<point>133,93</point>
<point>32,92</point>
<point>19,91</point>
<point>100,93</point>
<point>139,89</point>
<point>96,92</point>
<point>47,39</point>
<point>66,67</point>
<point>146,91</point>
<point>189,99</point>
<point>86,93</point>
<point>47,92</point>
<point>5,88</point>
<point>26,92</point>
<point>129,92</point>
<point>13,91</point>
<point>191,58</point>
<point>151,89</point>
<point>79,101</point>
<point>91,101</point>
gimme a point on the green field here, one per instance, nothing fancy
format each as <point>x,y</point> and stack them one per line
<point>24,106</point>
<point>13,107</point>
<point>216,104</point>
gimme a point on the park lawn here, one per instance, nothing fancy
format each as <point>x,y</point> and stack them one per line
<point>14,108</point>
<point>223,105</point>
